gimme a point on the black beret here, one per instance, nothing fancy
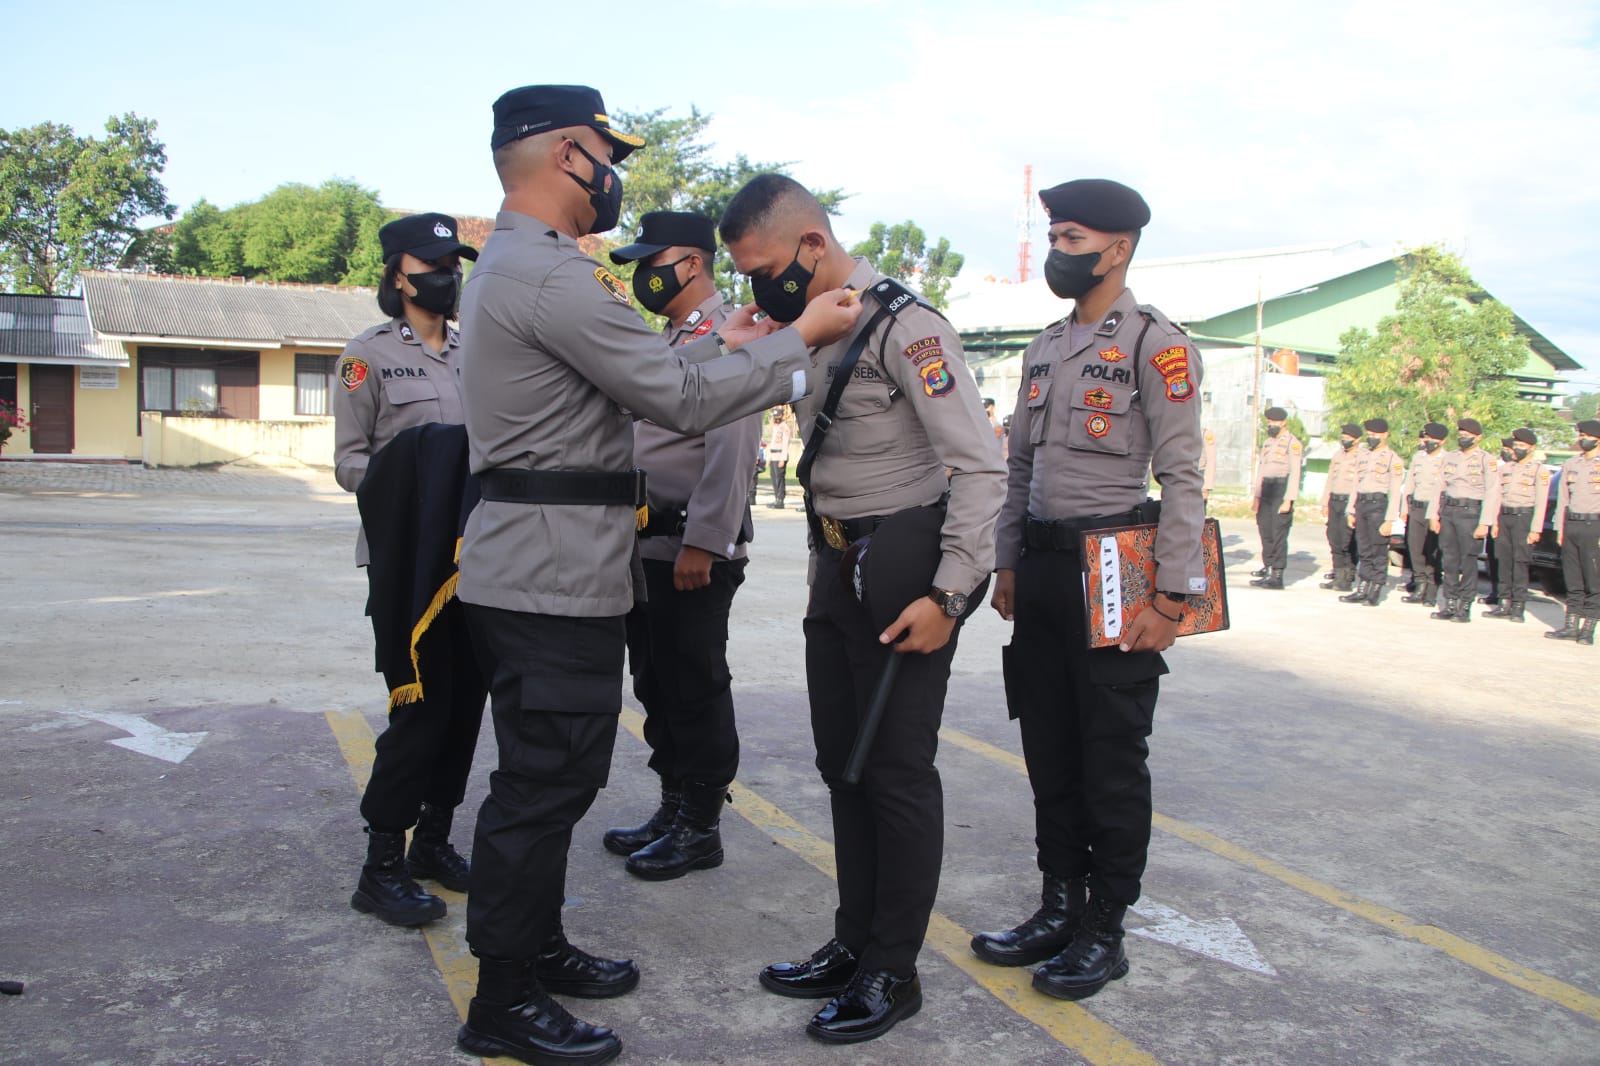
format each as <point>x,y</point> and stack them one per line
<point>1350,429</point>
<point>430,237</point>
<point>1436,430</point>
<point>1376,425</point>
<point>1506,442</point>
<point>668,229</point>
<point>1525,435</point>
<point>1471,425</point>
<point>1589,427</point>
<point>1104,205</point>
<point>539,108</point>
<point>1275,414</point>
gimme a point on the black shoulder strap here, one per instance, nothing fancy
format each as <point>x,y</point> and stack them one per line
<point>824,420</point>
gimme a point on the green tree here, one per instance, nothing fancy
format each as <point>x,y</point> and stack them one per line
<point>71,203</point>
<point>1585,405</point>
<point>902,252</point>
<point>327,234</point>
<point>676,172</point>
<point>1447,352</point>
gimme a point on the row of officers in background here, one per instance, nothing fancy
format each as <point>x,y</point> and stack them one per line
<point>1451,501</point>
<point>572,563</point>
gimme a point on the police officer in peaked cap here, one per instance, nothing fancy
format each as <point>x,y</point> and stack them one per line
<point>1110,395</point>
<point>402,373</point>
<point>694,555</point>
<point>559,360</point>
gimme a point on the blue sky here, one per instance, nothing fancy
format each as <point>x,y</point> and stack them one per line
<point>1244,123</point>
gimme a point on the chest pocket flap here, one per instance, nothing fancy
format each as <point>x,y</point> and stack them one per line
<point>864,396</point>
<point>410,390</point>
<point>1099,420</point>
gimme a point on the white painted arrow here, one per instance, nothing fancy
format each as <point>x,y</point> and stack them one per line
<point>148,738</point>
<point>1215,938</point>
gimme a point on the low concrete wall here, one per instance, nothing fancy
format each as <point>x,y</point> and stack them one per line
<point>182,441</point>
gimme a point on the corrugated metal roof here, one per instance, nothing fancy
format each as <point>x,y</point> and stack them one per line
<point>51,329</point>
<point>214,309</point>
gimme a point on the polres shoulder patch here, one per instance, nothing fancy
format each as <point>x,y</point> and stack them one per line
<point>936,379</point>
<point>927,348</point>
<point>609,282</point>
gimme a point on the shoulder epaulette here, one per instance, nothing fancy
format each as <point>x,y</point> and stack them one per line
<point>895,297</point>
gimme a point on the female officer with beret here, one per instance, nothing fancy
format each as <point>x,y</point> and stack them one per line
<point>407,372</point>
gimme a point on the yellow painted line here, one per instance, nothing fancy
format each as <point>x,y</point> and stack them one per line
<point>447,937</point>
<point>1067,1023</point>
<point>1479,958</point>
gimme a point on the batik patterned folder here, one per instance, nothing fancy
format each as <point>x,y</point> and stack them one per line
<point>1119,580</point>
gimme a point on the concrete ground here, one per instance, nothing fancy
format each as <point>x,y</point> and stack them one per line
<point>1375,833</point>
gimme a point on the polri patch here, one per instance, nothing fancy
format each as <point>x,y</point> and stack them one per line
<point>936,379</point>
<point>703,328</point>
<point>1098,426</point>
<point>1113,354</point>
<point>920,352</point>
<point>352,372</point>
<point>1033,392</point>
<point>1099,399</point>
<point>608,281</point>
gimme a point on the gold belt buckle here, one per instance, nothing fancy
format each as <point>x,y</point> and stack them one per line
<point>833,533</point>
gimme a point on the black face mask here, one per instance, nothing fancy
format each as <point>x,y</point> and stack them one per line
<point>655,287</point>
<point>437,291</point>
<point>605,193</point>
<point>1466,441</point>
<point>1347,443</point>
<point>783,298</point>
<point>1071,276</point>
<point>1431,445</point>
<point>1373,442</point>
<point>1587,443</point>
<point>1521,453</point>
<point>1272,431</point>
<point>1506,455</point>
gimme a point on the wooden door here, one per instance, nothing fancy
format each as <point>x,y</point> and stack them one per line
<point>50,413</point>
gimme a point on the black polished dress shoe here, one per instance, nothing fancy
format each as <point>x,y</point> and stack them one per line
<point>825,974</point>
<point>568,971</point>
<point>537,1030</point>
<point>875,1001</point>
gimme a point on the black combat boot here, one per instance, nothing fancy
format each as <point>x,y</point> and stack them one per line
<point>1423,593</point>
<point>1359,595</point>
<point>1272,580</point>
<point>1375,591</point>
<point>1464,609</point>
<point>1052,927</point>
<point>1446,611</point>
<point>511,1014</point>
<point>1259,573</point>
<point>431,854</point>
<point>1569,631</point>
<point>1094,957</point>
<point>1501,609</point>
<point>387,890</point>
<point>1586,632</point>
<point>693,843</point>
<point>1516,612</point>
<point>628,841</point>
<point>1345,579</point>
<point>569,971</point>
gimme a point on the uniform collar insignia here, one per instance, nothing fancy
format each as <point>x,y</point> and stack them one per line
<point>405,332</point>
<point>694,317</point>
<point>1109,326</point>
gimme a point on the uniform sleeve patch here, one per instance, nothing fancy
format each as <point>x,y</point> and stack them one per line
<point>352,372</point>
<point>608,281</point>
<point>1295,446</point>
<point>936,379</point>
<point>1098,426</point>
<point>1114,354</point>
<point>1173,365</point>
<point>927,348</point>
<point>1099,399</point>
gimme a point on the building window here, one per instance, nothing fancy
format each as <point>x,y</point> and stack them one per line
<point>216,383</point>
<point>313,384</point>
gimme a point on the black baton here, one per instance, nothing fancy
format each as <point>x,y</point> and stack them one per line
<point>869,725</point>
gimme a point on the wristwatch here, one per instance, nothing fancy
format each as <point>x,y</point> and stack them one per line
<point>954,604</point>
<point>1175,597</point>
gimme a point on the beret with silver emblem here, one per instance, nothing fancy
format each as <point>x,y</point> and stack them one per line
<point>1108,206</point>
<point>430,236</point>
<point>535,109</point>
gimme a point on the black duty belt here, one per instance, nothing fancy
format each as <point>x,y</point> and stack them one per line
<point>1065,534</point>
<point>1517,512</point>
<point>1284,480</point>
<point>1342,497</point>
<point>840,533</point>
<point>1414,502</point>
<point>1370,497</point>
<point>1458,501</point>
<point>1574,516</point>
<point>665,523</point>
<point>565,487</point>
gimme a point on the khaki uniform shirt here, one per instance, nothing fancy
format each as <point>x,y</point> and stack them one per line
<point>910,412</point>
<point>780,434</point>
<point>1341,474</point>
<point>1470,475</point>
<point>1580,488</point>
<point>1093,419</point>
<point>1281,456</point>
<point>1380,470</point>
<point>559,359</point>
<point>1208,462</point>
<point>389,380</point>
<point>1525,483</point>
<point>709,472</point>
<point>1424,477</point>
